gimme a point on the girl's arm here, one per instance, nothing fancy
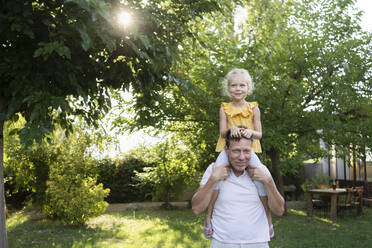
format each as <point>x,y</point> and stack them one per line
<point>223,123</point>
<point>257,132</point>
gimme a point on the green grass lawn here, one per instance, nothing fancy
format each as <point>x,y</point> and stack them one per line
<point>180,228</point>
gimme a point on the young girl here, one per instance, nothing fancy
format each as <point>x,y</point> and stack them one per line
<point>238,112</point>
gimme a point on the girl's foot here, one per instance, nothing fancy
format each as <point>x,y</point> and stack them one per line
<point>271,231</point>
<point>208,231</point>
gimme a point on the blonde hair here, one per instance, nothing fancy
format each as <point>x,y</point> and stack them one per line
<point>235,72</point>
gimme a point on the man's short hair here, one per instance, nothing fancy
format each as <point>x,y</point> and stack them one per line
<point>229,138</point>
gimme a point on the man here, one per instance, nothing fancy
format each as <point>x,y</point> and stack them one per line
<point>239,218</point>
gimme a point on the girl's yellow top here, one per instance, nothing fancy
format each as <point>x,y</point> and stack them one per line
<point>239,116</point>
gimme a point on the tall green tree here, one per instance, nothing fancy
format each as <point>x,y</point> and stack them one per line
<point>189,105</point>
<point>59,57</point>
<point>313,68</point>
<point>311,64</point>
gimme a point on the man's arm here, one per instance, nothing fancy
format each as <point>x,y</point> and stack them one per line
<point>203,195</point>
<point>275,200</point>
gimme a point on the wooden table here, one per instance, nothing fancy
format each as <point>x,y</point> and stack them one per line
<point>333,193</point>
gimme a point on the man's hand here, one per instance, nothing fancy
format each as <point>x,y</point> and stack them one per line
<point>261,173</point>
<point>275,200</point>
<point>203,196</point>
<point>220,172</point>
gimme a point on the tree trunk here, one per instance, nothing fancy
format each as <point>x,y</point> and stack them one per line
<point>345,168</point>
<point>275,162</point>
<point>3,235</point>
<point>354,166</point>
<point>364,159</point>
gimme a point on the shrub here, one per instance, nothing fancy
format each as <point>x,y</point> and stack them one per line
<point>72,194</point>
<point>174,171</point>
<point>74,200</point>
<point>158,173</point>
<point>26,169</point>
<point>119,177</point>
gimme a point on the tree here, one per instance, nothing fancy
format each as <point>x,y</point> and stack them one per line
<point>58,59</point>
<point>305,74</point>
<point>310,61</point>
<point>188,106</point>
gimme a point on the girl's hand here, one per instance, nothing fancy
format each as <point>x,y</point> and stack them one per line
<point>247,133</point>
<point>235,132</point>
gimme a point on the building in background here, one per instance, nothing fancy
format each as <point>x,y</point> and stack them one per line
<point>352,170</point>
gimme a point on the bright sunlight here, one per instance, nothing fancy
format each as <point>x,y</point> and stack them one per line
<point>124,18</point>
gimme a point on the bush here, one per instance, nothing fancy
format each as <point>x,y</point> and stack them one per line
<point>119,177</point>
<point>174,171</point>
<point>72,194</point>
<point>26,169</point>
<point>74,200</point>
<point>158,173</point>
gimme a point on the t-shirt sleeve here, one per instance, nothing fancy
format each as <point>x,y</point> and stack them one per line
<point>260,188</point>
<point>207,174</point>
<point>255,160</point>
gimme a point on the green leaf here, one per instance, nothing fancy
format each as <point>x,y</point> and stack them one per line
<point>145,41</point>
<point>86,41</point>
<point>47,49</point>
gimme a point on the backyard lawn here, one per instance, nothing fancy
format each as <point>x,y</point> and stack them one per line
<point>181,228</point>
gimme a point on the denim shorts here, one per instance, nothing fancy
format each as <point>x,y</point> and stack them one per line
<point>218,244</point>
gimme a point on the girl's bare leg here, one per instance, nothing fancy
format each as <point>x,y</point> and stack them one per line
<point>265,203</point>
<point>208,230</point>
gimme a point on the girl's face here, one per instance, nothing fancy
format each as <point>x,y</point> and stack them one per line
<point>237,88</point>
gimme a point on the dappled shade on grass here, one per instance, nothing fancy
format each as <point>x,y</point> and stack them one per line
<point>180,228</point>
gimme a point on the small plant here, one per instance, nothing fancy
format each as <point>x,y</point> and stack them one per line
<point>316,181</point>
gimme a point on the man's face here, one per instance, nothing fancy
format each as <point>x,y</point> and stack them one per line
<point>239,154</point>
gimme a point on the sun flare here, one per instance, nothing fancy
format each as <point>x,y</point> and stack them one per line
<point>124,18</point>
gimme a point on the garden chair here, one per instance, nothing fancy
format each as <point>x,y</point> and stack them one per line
<point>358,199</point>
<point>346,202</point>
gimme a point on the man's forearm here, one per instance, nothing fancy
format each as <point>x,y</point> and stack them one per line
<point>276,201</point>
<point>202,197</point>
